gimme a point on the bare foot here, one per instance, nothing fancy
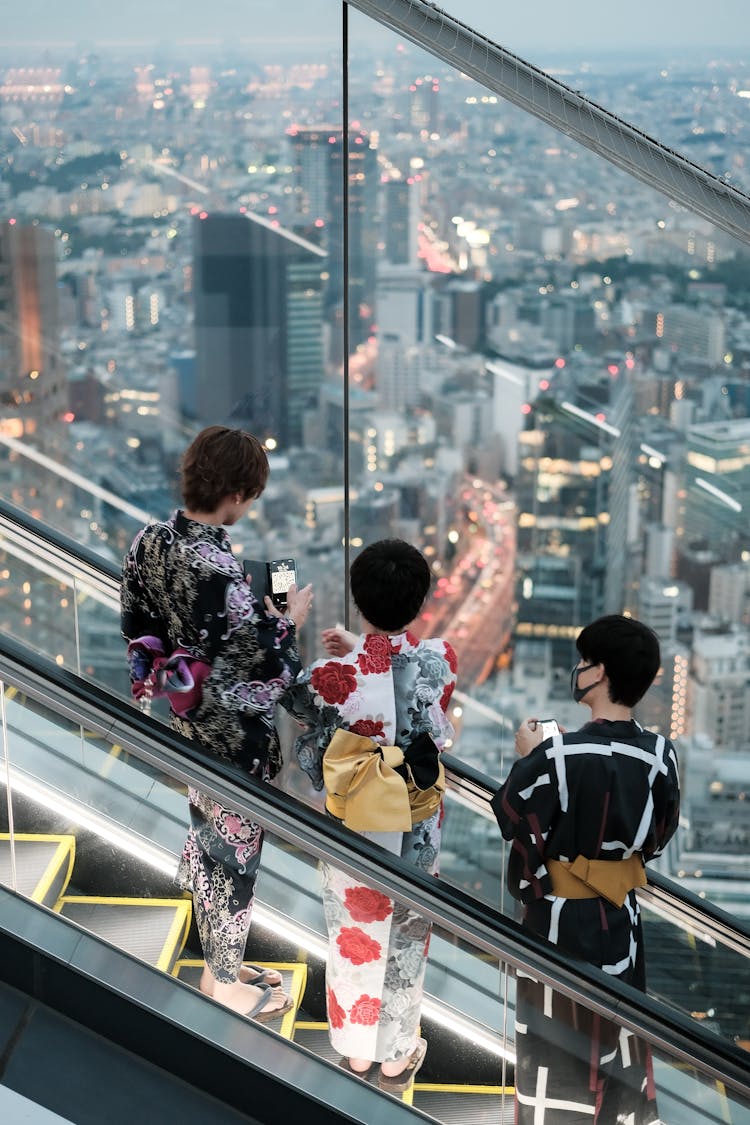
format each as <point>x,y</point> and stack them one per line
<point>360,1066</point>
<point>249,974</point>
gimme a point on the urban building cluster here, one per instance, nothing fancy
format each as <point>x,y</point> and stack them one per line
<point>548,363</point>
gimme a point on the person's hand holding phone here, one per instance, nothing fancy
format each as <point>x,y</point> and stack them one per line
<point>533,731</point>
<point>298,604</point>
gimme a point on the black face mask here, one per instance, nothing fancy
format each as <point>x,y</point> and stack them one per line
<point>575,691</point>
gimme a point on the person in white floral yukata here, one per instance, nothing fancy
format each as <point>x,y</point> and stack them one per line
<point>183,591</point>
<point>376,722</point>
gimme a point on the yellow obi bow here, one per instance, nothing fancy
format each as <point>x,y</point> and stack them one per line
<point>597,878</point>
<point>365,788</point>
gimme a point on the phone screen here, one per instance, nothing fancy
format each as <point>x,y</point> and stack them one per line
<point>548,728</point>
<point>282,573</point>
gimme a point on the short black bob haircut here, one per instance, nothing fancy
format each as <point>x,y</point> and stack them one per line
<point>221,460</point>
<point>629,651</point>
<point>389,581</point>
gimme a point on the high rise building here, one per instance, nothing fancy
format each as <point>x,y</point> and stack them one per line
<point>313,155</point>
<point>575,487</point>
<point>729,593</point>
<point>693,333</point>
<point>720,704</point>
<point>716,498</point>
<point>258,325</point>
<point>401,219</point>
<point>424,104</point>
<point>318,153</point>
<point>33,388</point>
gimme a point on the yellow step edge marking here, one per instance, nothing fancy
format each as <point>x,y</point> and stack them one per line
<point>65,849</point>
<point>66,846</point>
<point>112,756</point>
<point>298,970</point>
<point>177,936</point>
<point>726,1109</point>
<point>455,1088</point>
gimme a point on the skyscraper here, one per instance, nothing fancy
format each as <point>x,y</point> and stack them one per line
<point>33,392</point>
<point>319,188</point>
<point>258,325</point>
<point>716,497</point>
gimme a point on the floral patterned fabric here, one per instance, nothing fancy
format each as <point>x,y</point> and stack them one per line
<point>182,584</point>
<point>390,689</point>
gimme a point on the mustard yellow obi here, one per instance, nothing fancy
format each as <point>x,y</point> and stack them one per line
<point>597,878</point>
<point>374,788</point>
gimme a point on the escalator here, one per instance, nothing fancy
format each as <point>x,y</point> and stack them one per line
<point>95,935</point>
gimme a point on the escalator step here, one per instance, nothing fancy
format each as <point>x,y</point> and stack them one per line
<point>155,930</point>
<point>43,864</point>
<point>293,977</point>
<point>465,1105</point>
<point>449,1104</point>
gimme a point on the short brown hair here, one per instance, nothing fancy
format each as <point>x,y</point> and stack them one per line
<point>219,461</point>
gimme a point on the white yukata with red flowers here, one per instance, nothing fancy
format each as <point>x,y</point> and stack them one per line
<point>391,689</point>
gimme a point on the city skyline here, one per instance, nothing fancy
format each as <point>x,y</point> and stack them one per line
<point>546,341</point>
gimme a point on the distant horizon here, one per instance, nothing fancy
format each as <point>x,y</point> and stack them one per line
<point>536,31</point>
<point>234,45</point>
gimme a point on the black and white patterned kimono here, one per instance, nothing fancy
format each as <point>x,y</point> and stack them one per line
<point>605,792</point>
<point>182,584</point>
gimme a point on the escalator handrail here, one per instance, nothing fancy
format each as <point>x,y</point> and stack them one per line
<point>472,784</point>
<point>11,515</point>
<point>479,925</point>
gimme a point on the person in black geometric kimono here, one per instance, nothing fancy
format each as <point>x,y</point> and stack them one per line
<point>584,811</point>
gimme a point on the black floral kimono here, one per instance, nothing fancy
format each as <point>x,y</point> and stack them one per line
<point>607,791</point>
<point>182,584</point>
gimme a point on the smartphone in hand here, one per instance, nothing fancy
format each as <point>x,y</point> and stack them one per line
<point>548,727</point>
<point>282,573</point>
<point>257,571</point>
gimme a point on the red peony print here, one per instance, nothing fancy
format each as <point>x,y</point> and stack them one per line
<point>370,728</point>
<point>334,682</point>
<point>450,656</point>
<point>366,905</point>
<point>356,946</point>
<point>376,656</point>
<point>336,1014</point>
<point>445,698</point>
<point>366,1010</point>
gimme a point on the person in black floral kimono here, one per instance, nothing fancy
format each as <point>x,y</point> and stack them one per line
<point>585,810</point>
<point>387,692</point>
<point>183,589</point>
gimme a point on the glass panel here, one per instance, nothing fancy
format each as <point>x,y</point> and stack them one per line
<point>556,410</point>
<point>98,837</point>
<point>170,284</point>
<point>546,383</point>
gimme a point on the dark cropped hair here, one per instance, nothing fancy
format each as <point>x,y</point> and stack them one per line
<point>629,651</point>
<point>219,461</point>
<point>389,581</point>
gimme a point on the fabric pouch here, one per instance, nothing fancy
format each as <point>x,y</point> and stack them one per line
<point>179,677</point>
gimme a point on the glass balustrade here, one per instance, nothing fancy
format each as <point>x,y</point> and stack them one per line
<point>93,829</point>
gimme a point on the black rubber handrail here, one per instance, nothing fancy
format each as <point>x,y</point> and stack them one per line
<point>58,539</point>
